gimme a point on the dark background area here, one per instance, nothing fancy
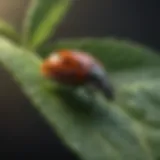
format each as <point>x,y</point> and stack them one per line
<point>22,130</point>
<point>137,20</point>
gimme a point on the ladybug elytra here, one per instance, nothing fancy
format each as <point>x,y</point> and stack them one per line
<point>77,68</point>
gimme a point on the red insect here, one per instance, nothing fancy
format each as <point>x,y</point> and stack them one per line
<point>77,68</point>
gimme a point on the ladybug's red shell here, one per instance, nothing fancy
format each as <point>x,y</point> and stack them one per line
<point>68,66</point>
<point>77,68</point>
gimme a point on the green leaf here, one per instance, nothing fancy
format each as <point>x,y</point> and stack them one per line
<point>125,129</point>
<point>115,54</point>
<point>42,20</point>
<point>8,31</point>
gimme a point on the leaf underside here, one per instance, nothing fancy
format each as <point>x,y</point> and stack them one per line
<point>128,128</point>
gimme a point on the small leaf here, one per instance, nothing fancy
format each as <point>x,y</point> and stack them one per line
<point>8,31</point>
<point>42,20</point>
<point>125,129</point>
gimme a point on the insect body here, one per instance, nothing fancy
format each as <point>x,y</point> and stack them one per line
<point>77,68</point>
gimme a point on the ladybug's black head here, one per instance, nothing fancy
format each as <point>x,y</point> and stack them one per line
<point>100,80</point>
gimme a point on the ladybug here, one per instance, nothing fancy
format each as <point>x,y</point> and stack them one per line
<point>77,68</point>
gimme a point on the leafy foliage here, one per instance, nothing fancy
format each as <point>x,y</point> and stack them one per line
<point>8,31</point>
<point>128,128</point>
<point>42,19</point>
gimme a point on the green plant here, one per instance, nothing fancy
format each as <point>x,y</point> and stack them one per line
<point>128,128</point>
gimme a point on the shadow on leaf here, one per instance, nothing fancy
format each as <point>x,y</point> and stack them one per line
<point>77,104</point>
<point>82,107</point>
